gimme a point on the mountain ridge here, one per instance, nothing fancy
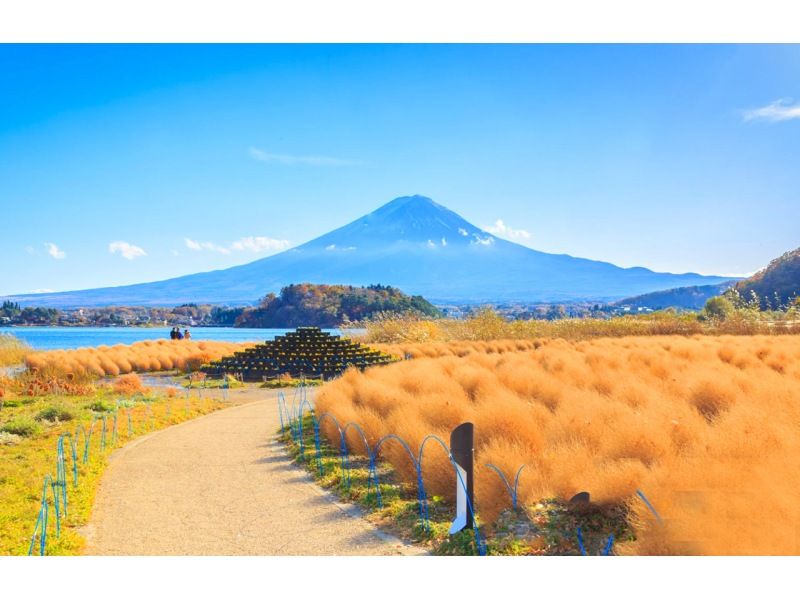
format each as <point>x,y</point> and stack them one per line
<point>412,243</point>
<point>776,284</point>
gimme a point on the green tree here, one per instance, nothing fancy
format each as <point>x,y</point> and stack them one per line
<point>718,308</point>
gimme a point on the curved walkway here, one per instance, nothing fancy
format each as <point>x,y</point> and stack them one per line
<point>219,485</point>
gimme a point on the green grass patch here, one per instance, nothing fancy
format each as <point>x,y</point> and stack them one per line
<point>213,383</point>
<point>284,382</point>
<point>21,426</point>
<point>28,454</point>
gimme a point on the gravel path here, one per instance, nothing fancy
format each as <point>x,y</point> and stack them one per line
<point>219,485</point>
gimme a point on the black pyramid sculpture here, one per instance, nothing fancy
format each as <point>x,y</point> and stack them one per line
<point>308,351</point>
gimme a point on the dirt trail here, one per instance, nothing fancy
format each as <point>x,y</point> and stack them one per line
<point>219,485</point>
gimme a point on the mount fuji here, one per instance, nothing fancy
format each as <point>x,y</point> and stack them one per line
<point>412,243</point>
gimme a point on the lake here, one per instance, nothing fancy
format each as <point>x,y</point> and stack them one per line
<point>47,338</point>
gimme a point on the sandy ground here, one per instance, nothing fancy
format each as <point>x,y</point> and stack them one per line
<point>221,485</point>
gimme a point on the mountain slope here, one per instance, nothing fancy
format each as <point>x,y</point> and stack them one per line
<point>683,297</point>
<point>781,279</point>
<point>412,243</point>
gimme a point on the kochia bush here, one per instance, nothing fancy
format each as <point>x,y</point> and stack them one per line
<point>707,427</point>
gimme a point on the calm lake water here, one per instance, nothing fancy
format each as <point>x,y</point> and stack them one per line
<point>46,338</point>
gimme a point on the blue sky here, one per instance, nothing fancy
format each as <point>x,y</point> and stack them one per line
<point>122,164</point>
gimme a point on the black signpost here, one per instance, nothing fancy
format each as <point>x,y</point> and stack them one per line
<point>463,450</point>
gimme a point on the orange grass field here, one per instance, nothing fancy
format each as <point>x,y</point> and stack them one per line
<point>144,356</point>
<point>456,348</point>
<point>708,427</point>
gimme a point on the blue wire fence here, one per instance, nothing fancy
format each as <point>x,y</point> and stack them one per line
<point>69,456</point>
<point>294,415</point>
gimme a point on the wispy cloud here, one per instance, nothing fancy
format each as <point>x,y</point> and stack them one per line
<point>126,250</point>
<point>501,229</point>
<point>251,244</point>
<point>30,250</point>
<point>54,251</point>
<point>483,241</point>
<point>259,244</point>
<point>38,291</point>
<point>205,245</point>
<point>289,160</point>
<point>777,111</point>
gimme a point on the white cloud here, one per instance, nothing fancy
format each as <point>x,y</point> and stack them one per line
<point>37,291</point>
<point>289,160</point>
<point>205,245</point>
<point>331,247</point>
<point>126,250</point>
<point>251,244</point>
<point>431,244</point>
<point>486,241</point>
<point>779,110</point>
<point>501,229</point>
<point>259,244</point>
<point>463,233</point>
<point>54,251</point>
<point>444,242</point>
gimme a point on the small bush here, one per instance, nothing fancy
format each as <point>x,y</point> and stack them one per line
<point>129,384</point>
<point>55,413</point>
<point>101,407</point>
<point>719,308</point>
<point>22,426</point>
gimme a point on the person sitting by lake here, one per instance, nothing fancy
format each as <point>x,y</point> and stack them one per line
<point>187,335</point>
<point>178,335</point>
<point>173,334</point>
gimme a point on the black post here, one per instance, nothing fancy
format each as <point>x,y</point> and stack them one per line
<point>463,450</point>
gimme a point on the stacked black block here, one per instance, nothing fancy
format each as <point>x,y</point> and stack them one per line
<point>308,351</point>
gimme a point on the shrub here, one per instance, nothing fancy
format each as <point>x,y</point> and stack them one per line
<point>21,426</point>
<point>101,407</point>
<point>129,384</point>
<point>195,362</point>
<point>719,308</point>
<point>55,413</point>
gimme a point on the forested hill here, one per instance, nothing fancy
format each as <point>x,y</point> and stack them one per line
<point>778,283</point>
<point>326,306</point>
<point>682,297</point>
